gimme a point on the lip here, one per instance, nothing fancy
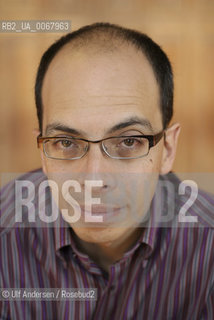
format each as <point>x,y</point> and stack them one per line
<point>100,209</point>
<point>107,214</point>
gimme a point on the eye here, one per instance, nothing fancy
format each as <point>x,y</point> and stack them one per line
<point>129,142</point>
<point>66,143</point>
<point>63,143</point>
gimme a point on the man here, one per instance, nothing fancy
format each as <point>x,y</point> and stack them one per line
<point>104,98</point>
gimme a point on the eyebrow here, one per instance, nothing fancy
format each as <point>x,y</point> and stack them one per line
<point>130,122</point>
<point>60,127</point>
<point>145,123</point>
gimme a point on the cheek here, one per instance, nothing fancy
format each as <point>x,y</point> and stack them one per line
<point>155,159</point>
<point>149,164</point>
<point>55,166</point>
<point>154,164</point>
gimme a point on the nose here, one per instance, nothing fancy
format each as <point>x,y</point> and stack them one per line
<point>96,161</point>
<point>96,165</point>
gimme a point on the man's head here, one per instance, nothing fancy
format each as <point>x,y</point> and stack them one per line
<point>103,81</point>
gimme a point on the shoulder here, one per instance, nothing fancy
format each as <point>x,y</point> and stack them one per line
<point>191,204</point>
<point>21,241</point>
<point>190,224</point>
<point>12,195</point>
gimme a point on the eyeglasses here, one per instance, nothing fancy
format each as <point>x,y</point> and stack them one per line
<point>121,147</point>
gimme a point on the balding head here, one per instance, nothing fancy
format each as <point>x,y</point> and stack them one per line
<point>104,38</point>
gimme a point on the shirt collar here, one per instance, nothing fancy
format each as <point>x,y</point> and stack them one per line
<point>64,236</point>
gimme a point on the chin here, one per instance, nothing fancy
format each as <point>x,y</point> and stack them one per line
<point>100,235</point>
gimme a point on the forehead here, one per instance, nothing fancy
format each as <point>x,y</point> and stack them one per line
<point>94,83</point>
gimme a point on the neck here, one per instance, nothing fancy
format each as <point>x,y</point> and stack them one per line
<point>107,253</point>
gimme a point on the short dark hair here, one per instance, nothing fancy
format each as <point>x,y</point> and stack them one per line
<point>157,58</point>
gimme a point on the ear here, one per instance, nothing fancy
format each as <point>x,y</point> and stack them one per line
<point>170,146</point>
<point>36,132</point>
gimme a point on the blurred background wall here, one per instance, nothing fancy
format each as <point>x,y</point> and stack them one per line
<point>184,29</point>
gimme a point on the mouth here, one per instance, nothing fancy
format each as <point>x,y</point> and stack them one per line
<point>101,213</point>
<point>99,209</point>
